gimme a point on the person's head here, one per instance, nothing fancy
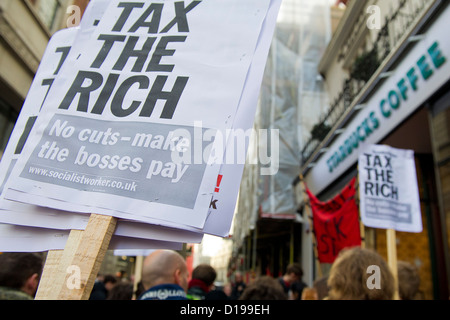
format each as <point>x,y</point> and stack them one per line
<point>228,289</point>
<point>264,288</point>
<point>321,287</point>
<point>294,272</point>
<point>205,273</point>
<point>295,290</point>
<point>21,271</point>
<point>350,273</point>
<point>408,281</point>
<point>139,290</point>
<point>109,281</point>
<point>164,267</point>
<point>309,294</point>
<point>238,277</point>
<point>121,291</point>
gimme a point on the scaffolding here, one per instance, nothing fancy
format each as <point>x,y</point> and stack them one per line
<point>292,98</point>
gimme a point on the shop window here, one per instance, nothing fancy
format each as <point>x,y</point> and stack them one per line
<point>48,11</point>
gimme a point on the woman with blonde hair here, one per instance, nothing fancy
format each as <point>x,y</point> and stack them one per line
<point>350,273</point>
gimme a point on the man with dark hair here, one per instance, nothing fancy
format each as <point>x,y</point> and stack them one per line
<point>264,288</point>
<point>102,287</point>
<point>292,282</point>
<point>19,275</point>
<point>408,281</point>
<point>238,286</point>
<point>202,281</point>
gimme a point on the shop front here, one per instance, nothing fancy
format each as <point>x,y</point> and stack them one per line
<point>408,108</point>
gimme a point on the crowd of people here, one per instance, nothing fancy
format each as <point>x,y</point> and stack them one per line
<point>165,276</point>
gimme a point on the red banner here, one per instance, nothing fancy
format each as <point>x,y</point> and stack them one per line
<point>336,224</point>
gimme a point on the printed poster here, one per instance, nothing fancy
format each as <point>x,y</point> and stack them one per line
<point>389,195</point>
<point>124,119</point>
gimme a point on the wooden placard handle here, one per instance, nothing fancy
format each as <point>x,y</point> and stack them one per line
<point>70,274</point>
<point>391,241</point>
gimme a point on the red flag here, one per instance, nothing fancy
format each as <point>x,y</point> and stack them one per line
<point>335,222</point>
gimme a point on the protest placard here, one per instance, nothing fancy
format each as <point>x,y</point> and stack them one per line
<point>22,214</point>
<point>62,44</point>
<point>14,238</point>
<point>219,222</point>
<point>121,121</point>
<point>389,195</point>
<point>69,159</point>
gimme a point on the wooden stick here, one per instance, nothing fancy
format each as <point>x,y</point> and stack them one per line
<point>50,269</point>
<point>54,274</point>
<point>309,214</point>
<point>362,228</point>
<point>392,258</point>
<point>84,251</point>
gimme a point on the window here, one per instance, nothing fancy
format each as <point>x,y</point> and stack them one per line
<point>49,11</point>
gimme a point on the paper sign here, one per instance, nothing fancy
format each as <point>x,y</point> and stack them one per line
<point>55,223</point>
<point>389,195</point>
<point>117,116</point>
<point>58,49</point>
<point>218,222</point>
<point>26,239</point>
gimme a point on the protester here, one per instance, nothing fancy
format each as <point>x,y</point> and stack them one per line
<point>139,290</point>
<point>228,290</point>
<point>350,273</point>
<point>121,291</point>
<point>292,282</point>
<point>217,294</point>
<point>203,277</point>
<point>102,286</point>
<point>164,276</point>
<point>321,287</point>
<point>309,294</point>
<point>264,288</point>
<point>408,281</point>
<point>19,275</point>
<point>296,290</point>
<point>238,286</point>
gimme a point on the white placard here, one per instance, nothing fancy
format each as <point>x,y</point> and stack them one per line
<point>389,195</point>
<point>26,239</point>
<point>22,214</point>
<point>94,138</point>
<point>218,222</point>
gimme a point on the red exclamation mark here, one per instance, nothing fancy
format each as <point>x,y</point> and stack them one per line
<point>219,180</point>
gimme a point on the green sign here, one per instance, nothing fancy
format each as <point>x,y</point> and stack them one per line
<point>425,67</point>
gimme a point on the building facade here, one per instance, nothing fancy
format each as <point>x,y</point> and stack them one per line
<point>267,232</point>
<point>386,77</point>
<point>25,29</point>
<point>387,73</point>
